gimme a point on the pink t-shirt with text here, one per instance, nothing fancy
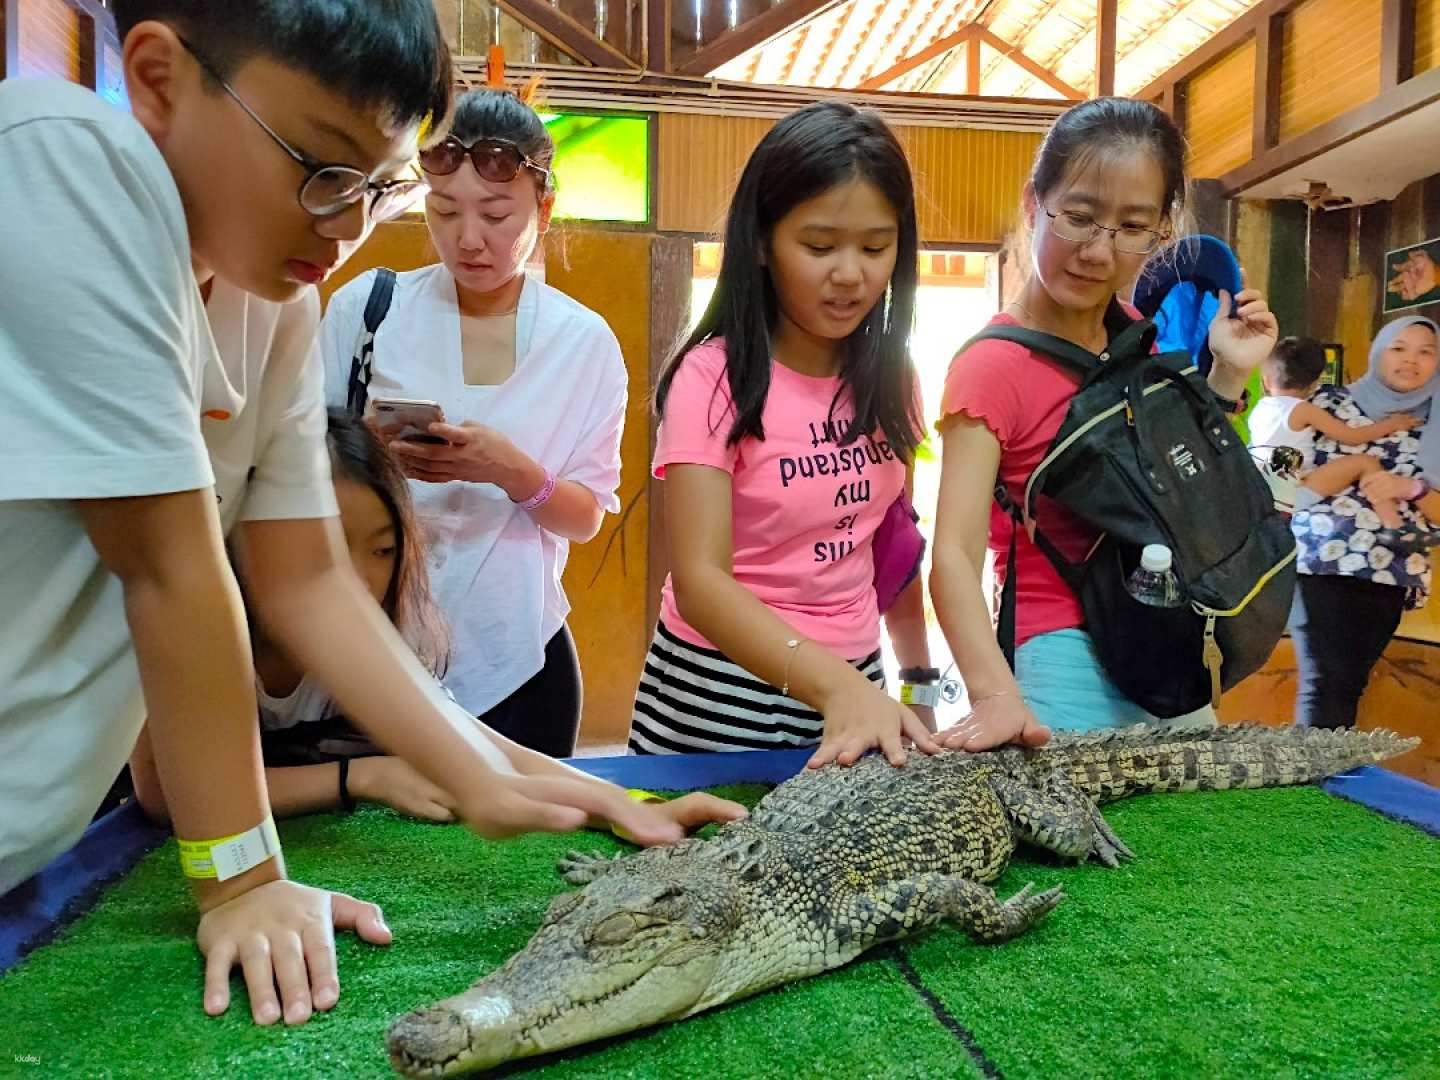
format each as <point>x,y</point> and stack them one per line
<point>804,509</point>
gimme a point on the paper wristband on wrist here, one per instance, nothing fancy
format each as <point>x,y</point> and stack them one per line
<point>640,796</point>
<point>229,856</point>
<point>920,694</point>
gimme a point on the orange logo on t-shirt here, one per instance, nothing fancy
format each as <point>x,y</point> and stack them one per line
<point>217,414</point>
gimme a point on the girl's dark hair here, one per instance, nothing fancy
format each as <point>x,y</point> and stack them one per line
<point>341,43</point>
<point>1106,125</point>
<point>358,455</point>
<point>501,114</point>
<point>803,156</point>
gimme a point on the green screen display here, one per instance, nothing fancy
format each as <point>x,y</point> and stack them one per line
<point>602,166</point>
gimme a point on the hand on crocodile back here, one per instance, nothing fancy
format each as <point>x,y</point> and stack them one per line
<point>995,720</point>
<point>829,864</point>
<point>859,719</point>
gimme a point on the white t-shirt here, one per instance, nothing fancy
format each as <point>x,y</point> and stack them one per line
<point>107,362</point>
<point>496,574</point>
<point>1269,424</point>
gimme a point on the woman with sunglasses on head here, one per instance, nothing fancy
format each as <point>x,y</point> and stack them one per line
<point>533,390</point>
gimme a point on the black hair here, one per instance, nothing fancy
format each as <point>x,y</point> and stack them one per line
<point>806,154</point>
<point>358,455</point>
<point>1296,362</point>
<point>501,114</point>
<point>1105,125</point>
<point>389,54</point>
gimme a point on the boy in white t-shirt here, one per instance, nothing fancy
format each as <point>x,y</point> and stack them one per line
<point>1285,418</point>
<point>113,575</point>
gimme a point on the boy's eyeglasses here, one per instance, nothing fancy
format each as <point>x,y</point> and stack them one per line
<point>329,189</point>
<point>496,160</point>
<point>1082,228</point>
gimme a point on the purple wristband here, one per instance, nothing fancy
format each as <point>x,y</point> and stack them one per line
<point>541,497</point>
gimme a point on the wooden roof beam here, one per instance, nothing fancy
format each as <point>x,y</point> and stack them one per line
<point>1015,56</point>
<point>938,47</point>
<point>750,33</point>
<point>1106,12</point>
<point>566,33</point>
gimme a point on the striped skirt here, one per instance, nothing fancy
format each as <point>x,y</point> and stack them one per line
<point>693,700</point>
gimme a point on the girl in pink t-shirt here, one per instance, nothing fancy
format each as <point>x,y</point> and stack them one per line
<point>1106,190</point>
<point>788,420</point>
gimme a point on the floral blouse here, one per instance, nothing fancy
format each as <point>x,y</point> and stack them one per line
<point>1337,535</point>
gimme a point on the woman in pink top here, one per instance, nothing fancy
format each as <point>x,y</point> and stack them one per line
<point>788,420</point>
<point>1107,188</point>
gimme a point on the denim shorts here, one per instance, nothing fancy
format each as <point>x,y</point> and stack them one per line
<point>1066,688</point>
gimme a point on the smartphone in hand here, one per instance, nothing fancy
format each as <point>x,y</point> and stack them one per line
<point>407,418</point>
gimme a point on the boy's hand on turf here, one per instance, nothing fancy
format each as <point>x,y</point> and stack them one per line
<point>282,935</point>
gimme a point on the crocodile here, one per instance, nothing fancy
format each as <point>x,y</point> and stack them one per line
<point>828,865</point>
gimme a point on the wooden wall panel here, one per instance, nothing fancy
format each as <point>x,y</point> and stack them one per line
<point>699,163</point>
<point>1220,111</point>
<point>968,180</point>
<point>1427,35</point>
<point>1331,62</point>
<point>50,40</point>
<point>608,579</point>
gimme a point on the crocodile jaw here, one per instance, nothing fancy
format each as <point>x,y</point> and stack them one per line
<point>501,1017</point>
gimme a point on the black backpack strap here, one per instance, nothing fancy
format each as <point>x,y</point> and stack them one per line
<point>1071,574</point>
<point>1129,338</point>
<point>382,290</point>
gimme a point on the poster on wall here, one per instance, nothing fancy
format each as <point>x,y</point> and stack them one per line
<point>1334,365</point>
<point>1412,276</point>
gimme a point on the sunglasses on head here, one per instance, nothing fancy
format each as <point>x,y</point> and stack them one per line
<point>496,160</point>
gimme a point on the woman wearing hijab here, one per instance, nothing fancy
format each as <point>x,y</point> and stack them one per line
<point>1356,578</point>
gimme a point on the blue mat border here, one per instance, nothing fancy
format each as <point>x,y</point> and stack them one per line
<point>34,912</point>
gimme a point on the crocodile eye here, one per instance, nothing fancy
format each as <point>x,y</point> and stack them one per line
<point>616,930</point>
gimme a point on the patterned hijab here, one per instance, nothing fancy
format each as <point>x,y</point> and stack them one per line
<point>1378,401</point>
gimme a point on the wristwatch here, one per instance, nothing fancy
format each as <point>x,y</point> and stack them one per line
<point>1230,406</point>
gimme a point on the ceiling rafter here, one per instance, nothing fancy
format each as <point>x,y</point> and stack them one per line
<point>1022,33</point>
<point>964,36</point>
<point>937,74</point>
<point>954,21</point>
<point>1017,57</point>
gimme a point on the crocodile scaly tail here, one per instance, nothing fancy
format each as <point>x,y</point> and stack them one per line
<point>1136,760</point>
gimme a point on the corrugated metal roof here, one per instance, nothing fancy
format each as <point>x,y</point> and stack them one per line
<point>863,39</point>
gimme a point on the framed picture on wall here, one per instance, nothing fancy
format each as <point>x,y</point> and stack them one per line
<point>1334,364</point>
<point>1412,276</point>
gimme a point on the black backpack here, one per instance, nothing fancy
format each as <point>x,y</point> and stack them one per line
<point>1146,456</point>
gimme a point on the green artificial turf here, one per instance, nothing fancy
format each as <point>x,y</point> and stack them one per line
<point>1266,933</point>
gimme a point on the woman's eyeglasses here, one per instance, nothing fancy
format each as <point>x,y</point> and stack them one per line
<point>1077,228</point>
<point>330,189</point>
<point>496,160</point>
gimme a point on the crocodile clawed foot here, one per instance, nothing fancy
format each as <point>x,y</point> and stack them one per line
<point>581,868</point>
<point>1026,908</point>
<point>1108,848</point>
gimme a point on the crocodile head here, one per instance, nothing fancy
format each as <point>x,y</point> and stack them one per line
<point>638,946</point>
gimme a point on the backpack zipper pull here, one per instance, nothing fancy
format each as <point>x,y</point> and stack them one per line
<point>1129,414</point>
